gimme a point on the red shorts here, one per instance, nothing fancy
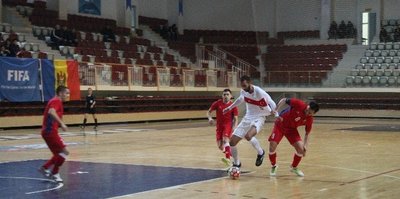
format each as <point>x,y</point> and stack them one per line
<point>292,135</point>
<point>223,132</point>
<point>54,142</point>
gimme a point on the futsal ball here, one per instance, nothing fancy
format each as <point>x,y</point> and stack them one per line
<point>234,173</point>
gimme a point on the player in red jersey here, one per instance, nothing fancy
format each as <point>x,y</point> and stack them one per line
<point>51,121</point>
<point>225,123</point>
<point>297,114</point>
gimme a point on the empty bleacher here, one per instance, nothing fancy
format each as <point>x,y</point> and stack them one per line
<point>287,65</point>
<point>115,105</point>
<point>382,102</point>
<point>380,66</point>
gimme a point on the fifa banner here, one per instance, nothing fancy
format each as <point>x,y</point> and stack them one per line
<point>60,73</point>
<point>19,80</point>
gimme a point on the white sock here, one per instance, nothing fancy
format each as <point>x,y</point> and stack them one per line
<point>256,145</point>
<point>235,155</point>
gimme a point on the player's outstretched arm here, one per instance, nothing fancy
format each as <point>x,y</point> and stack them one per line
<point>210,119</point>
<point>236,103</point>
<point>52,112</point>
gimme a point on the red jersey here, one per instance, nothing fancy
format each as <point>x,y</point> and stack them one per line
<point>295,116</point>
<point>224,119</point>
<point>50,125</point>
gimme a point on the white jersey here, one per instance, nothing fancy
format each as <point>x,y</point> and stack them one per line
<point>258,103</point>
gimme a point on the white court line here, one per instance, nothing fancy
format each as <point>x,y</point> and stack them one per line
<point>174,187</point>
<point>38,179</point>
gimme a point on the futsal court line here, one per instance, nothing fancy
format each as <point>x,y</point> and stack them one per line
<point>175,187</point>
<point>59,185</point>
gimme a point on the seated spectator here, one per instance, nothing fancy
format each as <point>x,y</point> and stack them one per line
<point>164,31</point>
<point>350,30</point>
<point>383,35</point>
<point>342,30</point>
<point>71,39</point>
<point>14,48</point>
<point>173,32</point>
<point>4,52</point>
<point>332,33</point>
<point>24,54</point>
<point>64,34</point>
<point>396,35</point>
<point>108,34</point>
<point>57,36</point>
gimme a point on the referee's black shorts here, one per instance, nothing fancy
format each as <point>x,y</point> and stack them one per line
<point>90,110</point>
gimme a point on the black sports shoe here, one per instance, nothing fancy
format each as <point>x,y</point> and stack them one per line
<point>260,159</point>
<point>237,165</point>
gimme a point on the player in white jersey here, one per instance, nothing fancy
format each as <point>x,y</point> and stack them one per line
<point>258,105</point>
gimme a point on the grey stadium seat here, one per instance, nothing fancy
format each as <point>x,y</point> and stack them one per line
<point>358,80</point>
<point>396,72</point>
<point>387,72</point>
<point>388,60</point>
<point>373,46</point>
<point>359,66</point>
<point>374,80</point>
<point>369,72</point>
<point>392,81</point>
<point>384,53</point>
<point>396,60</point>
<point>368,66</point>
<point>371,60</point>
<point>379,72</point>
<point>366,81</point>
<point>381,46</point>
<point>349,80</point>
<point>364,60</point>
<point>369,53</point>
<point>393,66</point>
<point>376,53</point>
<point>354,72</point>
<point>392,53</point>
<point>362,72</point>
<point>379,60</point>
<point>389,46</point>
<point>383,81</point>
<point>396,46</point>
<point>384,66</point>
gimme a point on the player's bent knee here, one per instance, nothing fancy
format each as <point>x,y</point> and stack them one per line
<point>272,147</point>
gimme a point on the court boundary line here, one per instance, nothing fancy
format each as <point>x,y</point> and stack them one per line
<point>175,187</point>
<point>59,185</point>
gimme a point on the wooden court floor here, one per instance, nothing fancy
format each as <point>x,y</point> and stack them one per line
<point>347,158</point>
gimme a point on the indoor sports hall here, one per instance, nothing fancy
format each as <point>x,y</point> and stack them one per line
<point>190,99</point>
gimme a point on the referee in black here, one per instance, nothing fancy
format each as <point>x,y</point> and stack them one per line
<point>90,109</point>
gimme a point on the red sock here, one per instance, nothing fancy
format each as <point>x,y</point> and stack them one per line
<point>296,160</point>
<point>272,158</point>
<point>228,153</point>
<point>59,161</point>
<point>50,162</point>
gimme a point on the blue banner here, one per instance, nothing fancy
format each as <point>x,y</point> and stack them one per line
<point>19,80</point>
<point>90,7</point>
<point>48,79</point>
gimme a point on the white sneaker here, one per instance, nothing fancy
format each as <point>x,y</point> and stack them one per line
<point>57,178</point>
<point>45,172</point>
<point>297,171</point>
<point>273,170</point>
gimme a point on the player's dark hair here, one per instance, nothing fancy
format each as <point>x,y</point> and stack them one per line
<point>245,78</point>
<point>61,89</point>
<point>228,90</point>
<point>314,106</point>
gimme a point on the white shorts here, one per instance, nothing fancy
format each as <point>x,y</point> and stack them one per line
<point>247,123</point>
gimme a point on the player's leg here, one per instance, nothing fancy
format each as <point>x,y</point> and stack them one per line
<point>226,148</point>
<point>274,139</point>
<point>60,159</point>
<point>95,119</point>
<point>233,142</point>
<point>84,121</point>
<point>295,140</point>
<point>256,127</point>
<point>238,135</point>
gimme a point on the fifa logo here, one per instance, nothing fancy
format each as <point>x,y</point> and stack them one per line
<point>61,79</point>
<point>17,75</point>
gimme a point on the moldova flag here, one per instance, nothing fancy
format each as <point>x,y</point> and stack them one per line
<point>57,73</point>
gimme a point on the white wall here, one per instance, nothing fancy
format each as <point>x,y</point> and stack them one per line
<point>345,10</point>
<point>153,8</point>
<point>52,5</point>
<point>391,9</point>
<point>298,15</point>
